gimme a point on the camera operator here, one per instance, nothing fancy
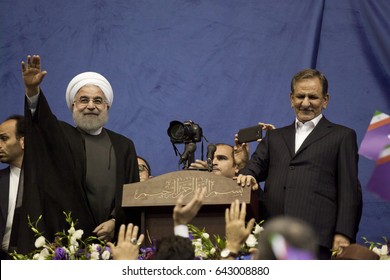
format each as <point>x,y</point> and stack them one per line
<point>229,160</point>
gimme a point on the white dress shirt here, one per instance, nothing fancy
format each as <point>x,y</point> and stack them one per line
<point>13,192</point>
<point>181,230</point>
<point>302,130</point>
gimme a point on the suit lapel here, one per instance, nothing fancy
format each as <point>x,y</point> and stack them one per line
<point>289,138</point>
<point>321,129</point>
<point>4,190</point>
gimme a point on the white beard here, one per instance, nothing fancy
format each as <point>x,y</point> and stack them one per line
<point>90,123</point>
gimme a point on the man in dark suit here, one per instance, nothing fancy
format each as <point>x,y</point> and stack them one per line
<point>11,153</point>
<point>78,169</point>
<point>310,167</point>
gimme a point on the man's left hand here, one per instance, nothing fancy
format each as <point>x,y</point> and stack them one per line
<point>340,240</point>
<point>105,231</point>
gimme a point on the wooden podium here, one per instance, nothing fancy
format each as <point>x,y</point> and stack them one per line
<point>155,199</point>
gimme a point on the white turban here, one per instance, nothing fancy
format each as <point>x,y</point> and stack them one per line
<point>88,78</point>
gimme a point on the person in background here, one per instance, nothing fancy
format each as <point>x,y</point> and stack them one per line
<point>174,247</point>
<point>11,153</point>
<point>228,160</point>
<point>79,169</point>
<point>310,168</point>
<point>145,172</point>
<point>223,163</point>
<point>287,238</point>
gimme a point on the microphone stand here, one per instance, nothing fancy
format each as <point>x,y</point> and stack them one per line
<point>209,165</point>
<point>190,159</point>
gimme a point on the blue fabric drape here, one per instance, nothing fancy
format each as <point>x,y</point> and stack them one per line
<point>225,64</point>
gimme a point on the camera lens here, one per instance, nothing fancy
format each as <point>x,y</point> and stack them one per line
<point>184,132</point>
<point>177,131</point>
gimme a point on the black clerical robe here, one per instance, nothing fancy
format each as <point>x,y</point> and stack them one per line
<point>55,176</point>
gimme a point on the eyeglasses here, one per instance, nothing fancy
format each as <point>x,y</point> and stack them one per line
<point>97,101</point>
<point>142,168</point>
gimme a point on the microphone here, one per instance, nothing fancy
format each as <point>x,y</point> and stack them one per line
<point>211,148</point>
<point>190,149</point>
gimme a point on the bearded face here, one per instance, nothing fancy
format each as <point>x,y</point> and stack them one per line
<point>90,109</point>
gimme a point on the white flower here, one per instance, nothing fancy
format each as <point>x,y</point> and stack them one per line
<point>73,242</point>
<point>73,249</point>
<point>383,251</point>
<point>212,251</point>
<point>206,235</point>
<point>197,243</point>
<point>71,230</point>
<point>257,229</point>
<point>36,256</point>
<point>201,254</point>
<point>251,241</point>
<point>78,234</point>
<point>94,255</point>
<point>43,254</point>
<point>75,236</point>
<point>40,242</point>
<point>95,247</point>
<point>106,255</point>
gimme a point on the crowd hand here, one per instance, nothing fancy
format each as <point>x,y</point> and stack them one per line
<point>339,241</point>
<point>247,181</point>
<point>105,231</point>
<point>32,74</point>
<point>198,164</point>
<point>182,215</point>
<point>236,231</point>
<point>241,153</point>
<point>266,127</point>
<point>127,247</point>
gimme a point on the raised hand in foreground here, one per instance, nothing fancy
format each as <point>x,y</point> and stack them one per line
<point>236,231</point>
<point>127,247</point>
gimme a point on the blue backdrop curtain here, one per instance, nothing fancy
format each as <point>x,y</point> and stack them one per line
<point>225,64</point>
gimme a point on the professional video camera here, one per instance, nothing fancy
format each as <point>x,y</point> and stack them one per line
<point>186,132</point>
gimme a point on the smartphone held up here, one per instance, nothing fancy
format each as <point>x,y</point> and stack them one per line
<point>250,134</point>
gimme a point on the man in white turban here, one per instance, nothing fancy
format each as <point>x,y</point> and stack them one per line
<point>84,88</point>
<point>88,78</point>
<point>80,169</point>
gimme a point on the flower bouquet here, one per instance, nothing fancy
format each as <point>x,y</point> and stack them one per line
<point>205,248</point>
<point>66,246</point>
<point>381,249</point>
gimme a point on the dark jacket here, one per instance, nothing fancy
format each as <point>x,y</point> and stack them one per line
<point>318,184</point>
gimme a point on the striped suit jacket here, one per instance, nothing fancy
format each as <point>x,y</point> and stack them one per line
<point>319,183</point>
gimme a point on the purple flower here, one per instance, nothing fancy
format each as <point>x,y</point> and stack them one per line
<point>60,254</point>
<point>148,252</point>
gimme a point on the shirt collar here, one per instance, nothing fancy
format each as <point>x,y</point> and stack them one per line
<point>15,170</point>
<point>315,121</point>
<point>94,132</point>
